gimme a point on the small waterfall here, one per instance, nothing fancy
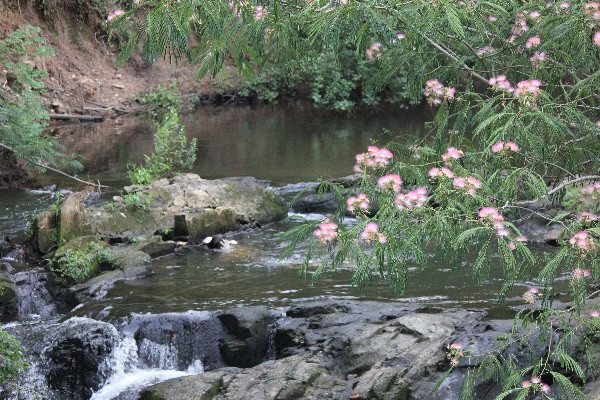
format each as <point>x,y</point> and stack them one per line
<point>33,299</point>
<point>134,366</point>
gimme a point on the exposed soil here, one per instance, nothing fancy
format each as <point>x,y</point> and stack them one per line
<point>83,78</point>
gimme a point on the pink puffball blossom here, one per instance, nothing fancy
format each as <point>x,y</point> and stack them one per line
<point>532,42</point>
<point>582,240</point>
<point>399,36</point>
<point>358,203</point>
<point>526,384</point>
<point>579,273</point>
<point>374,158</point>
<point>440,172</point>
<point>452,153</point>
<point>114,15</point>
<point>259,13</point>
<point>537,58</point>
<point>374,51</point>
<point>413,199</point>
<point>500,83</point>
<point>591,192</point>
<point>531,295</point>
<point>528,91</point>
<point>595,314</point>
<point>593,9</point>
<point>586,216</point>
<point>455,353</point>
<point>535,15</point>
<point>597,38</point>
<point>504,147</point>
<point>326,233</point>
<point>564,4</point>
<point>391,181</point>
<point>545,388</point>
<point>436,93</point>
<point>371,233</point>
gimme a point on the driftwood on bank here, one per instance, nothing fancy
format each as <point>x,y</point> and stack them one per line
<point>80,117</point>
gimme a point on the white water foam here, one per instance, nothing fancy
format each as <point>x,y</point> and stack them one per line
<point>129,375</point>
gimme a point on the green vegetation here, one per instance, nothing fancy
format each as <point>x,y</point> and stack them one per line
<point>172,153</point>
<point>158,104</point>
<point>136,202</point>
<point>22,116</point>
<point>79,263</point>
<point>11,360</point>
<point>514,87</point>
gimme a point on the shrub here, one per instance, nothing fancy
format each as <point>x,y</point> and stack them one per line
<point>171,152</point>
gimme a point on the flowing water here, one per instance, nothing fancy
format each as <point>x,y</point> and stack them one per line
<point>281,145</point>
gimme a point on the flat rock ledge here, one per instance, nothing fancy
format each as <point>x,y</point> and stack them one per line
<point>352,350</point>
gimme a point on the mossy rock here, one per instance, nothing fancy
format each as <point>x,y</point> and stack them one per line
<point>81,259</point>
<point>8,299</point>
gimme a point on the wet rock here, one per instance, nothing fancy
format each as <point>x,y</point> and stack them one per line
<point>315,203</point>
<point>8,299</point>
<point>87,254</point>
<point>287,379</point>
<point>155,246</point>
<point>250,330</point>
<point>535,227</point>
<point>178,339</point>
<point>34,300</point>
<point>126,263</point>
<point>76,358</point>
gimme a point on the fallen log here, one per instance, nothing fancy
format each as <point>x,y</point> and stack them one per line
<point>67,117</point>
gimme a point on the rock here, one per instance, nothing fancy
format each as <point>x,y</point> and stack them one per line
<point>250,330</point>
<point>189,336</point>
<point>535,227</point>
<point>8,299</point>
<point>45,235</point>
<point>315,203</point>
<point>68,359</point>
<point>34,299</point>
<point>76,357</point>
<point>155,246</point>
<point>192,206</point>
<point>127,263</point>
<point>287,379</point>
<point>85,254</point>
<point>73,222</point>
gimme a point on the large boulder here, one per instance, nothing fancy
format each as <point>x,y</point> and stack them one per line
<point>191,206</point>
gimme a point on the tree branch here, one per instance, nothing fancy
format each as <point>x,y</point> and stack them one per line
<point>98,185</point>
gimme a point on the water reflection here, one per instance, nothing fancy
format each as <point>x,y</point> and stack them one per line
<point>284,144</point>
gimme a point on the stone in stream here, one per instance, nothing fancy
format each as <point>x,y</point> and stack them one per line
<point>332,350</point>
